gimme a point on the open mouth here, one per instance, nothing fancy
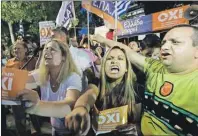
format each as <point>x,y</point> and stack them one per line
<point>165,54</point>
<point>115,69</point>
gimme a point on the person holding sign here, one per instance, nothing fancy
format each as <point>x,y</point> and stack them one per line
<point>117,104</point>
<point>21,51</point>
<point>60,85</point>
<point>170,98</point>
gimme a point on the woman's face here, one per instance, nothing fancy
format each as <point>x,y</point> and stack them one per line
<point>115,65</point>
<point>20,52</point>
<point>52,54</point>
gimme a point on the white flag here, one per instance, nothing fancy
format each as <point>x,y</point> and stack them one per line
<point>65,14</point>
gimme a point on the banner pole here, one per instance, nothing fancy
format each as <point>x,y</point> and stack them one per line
<point>116,20</point>
<point>74,18</point>
<point>88,28</point>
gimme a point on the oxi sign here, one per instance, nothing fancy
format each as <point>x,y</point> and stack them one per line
<point>107,120</point>
<point>45,28</point>
<point>13,80</point>
<point>169,18</point>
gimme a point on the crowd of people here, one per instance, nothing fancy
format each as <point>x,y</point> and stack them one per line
<point>157,80</point>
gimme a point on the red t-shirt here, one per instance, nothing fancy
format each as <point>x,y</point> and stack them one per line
<point>109,35</point>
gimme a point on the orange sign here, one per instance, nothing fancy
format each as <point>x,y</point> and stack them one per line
<point>166,89</point>
<point>108,120</point>
<point>169,18</point>
<point>13,80</point>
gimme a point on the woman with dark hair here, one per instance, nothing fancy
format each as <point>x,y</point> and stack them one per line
<point>117,88</point>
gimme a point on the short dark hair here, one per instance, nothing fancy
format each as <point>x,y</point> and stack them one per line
<point>194,35</point>
<point>150,41</point>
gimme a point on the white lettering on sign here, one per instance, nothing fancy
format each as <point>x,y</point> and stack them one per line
<point>7,86</point>
<point>171,15</point>
<point>109,118</point>
<point>130,31</point>
<point>104,6</point>
<point>132,23</point>
<point>8,77</point>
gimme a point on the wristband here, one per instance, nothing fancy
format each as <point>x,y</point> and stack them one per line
<point>82,107</point>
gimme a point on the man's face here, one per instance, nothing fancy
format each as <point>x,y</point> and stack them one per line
<point>177,51</point>
<point>115,65</point>
<point>20,52</point>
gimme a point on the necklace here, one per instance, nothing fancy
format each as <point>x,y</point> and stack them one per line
<point>54,85</point>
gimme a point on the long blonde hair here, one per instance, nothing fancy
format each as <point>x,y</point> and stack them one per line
<point>128,85</point>
<point>67,68</point>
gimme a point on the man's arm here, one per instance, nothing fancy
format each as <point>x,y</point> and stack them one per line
<point>135,58</point>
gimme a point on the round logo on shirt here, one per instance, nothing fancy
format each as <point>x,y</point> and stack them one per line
<point>166,89</point>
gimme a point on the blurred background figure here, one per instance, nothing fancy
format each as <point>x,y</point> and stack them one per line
<point>149,43</point>
<point>135,45</point>
<point>20,54</point>
<point>156,53</point>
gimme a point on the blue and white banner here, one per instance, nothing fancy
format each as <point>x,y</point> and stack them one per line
<point>122,6</point>
<point>136,26</point>
<point>65,14</point>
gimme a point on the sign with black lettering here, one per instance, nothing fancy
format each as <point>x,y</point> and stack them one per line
<point>45,28</point>
<point>107,120</point>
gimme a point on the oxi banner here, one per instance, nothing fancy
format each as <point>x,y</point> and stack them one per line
<point>107,120</point>
<point>136,25</point>
<point>45,28</point>
<point>13,80</point>
<point>169,18</point>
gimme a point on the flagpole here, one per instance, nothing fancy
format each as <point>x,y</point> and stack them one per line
<point>88,28</point>
<point>116,19</point>
<point>74,18</point>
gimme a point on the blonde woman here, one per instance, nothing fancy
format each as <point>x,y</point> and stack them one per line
<point>60,86</point>
<point>117,88</point>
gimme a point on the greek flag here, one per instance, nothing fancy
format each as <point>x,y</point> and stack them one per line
<point>65,14</point>
<point>122,6</point>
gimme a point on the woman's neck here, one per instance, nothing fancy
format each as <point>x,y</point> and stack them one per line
<point>54,72</point>
<point>114,83</point>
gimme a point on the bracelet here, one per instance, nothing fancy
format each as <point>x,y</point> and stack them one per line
<point>82,107</point>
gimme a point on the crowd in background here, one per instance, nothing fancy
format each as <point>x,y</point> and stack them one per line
<point>67,71</point>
